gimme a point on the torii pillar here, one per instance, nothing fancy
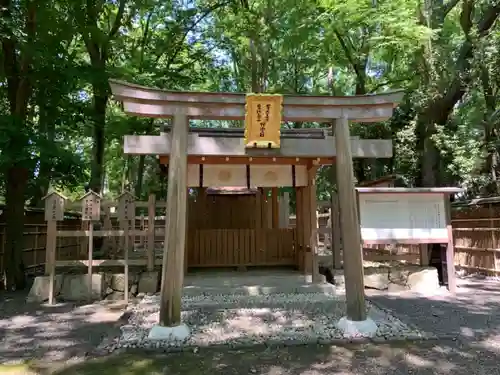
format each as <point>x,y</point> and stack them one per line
<point>356,320</point>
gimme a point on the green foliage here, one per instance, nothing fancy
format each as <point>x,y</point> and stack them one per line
<point>338,47</point>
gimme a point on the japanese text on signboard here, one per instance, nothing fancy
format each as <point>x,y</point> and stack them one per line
<point>263,121</point>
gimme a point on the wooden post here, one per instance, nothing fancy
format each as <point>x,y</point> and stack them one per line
<point>424,254</point>
<point>335,234</point>
<point>54,212</point>
<point>313,223</point>
<point>126,213</point>
<point>141,227</point>
<point>493,238</point>
<point>307,224</point>
<point>285,210</point>
<point>151,231</point>
<point>450,248</point>
<point>350,229</point>
<point>175,226</point>
<point>91,211</point>
<point>275,208</point>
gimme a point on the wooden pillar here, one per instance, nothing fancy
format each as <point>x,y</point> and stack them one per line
<point>151,232</point>
<point>175,226</point>
<point>299,227</point>
<point>313,224</point>
<point>275,208</point>
<point>285,210</point>
<point>450,249</point>
<point>335,234</point>
<point>350,229</point>
<point>424,254</point>
<point>308,213</point>
<point>186,232</point>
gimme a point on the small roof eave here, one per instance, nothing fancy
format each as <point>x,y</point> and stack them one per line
<point>387,190</point>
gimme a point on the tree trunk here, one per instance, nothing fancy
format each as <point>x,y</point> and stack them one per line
<point>140,176</point>
<point>17,182</point>
<point>97,170</point>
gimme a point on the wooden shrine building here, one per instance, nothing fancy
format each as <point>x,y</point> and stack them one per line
<point>216,158</point>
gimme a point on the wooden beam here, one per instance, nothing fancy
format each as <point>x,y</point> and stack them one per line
<point>350,229</point>
<point>373,113</point>
<point>123,90</point>
<point>175,227</point>
<point>231,147</point>
<point>249,160</point>
<point>149,102</point>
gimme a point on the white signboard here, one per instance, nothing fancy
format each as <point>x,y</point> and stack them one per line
<point>394,217</point>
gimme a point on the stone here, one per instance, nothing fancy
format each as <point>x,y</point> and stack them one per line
<point>115,296</point>
<point>75,287</point>
<point>118,282</point>
<point>133,289</point>
<point>396,288</point>
<point>39,291</point>
<point>424,281</point>
<point>174,334</point>
<point>148,282</point>
<point>376,278</point>
<point>398,275</point>
<point>363,328</point>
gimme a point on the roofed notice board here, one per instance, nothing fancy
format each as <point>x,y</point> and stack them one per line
<point>399,218</point>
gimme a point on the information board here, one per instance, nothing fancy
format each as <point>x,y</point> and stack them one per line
<point>400,217</point>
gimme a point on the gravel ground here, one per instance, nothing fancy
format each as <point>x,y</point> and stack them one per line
<point>288,319</point>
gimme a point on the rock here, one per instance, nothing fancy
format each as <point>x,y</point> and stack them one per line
<point>39,291</point>
<point>116,296</point>
<point>396,288</point>
<point>399,275</point>
<point>133,289</point>
<point>75,287</point>
<point>118,282</point>
<point>377,278</point>
<point>424,281</point>
<point>108,291</point>
<point>148,282</point>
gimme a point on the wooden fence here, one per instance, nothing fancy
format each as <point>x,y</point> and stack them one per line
<point>477,239</point>
<point>34,242</point>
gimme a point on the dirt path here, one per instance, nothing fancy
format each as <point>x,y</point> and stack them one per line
<point>55,335</point>
<point>472,315</point>
<point>29,331</point>
<point>425,358</point>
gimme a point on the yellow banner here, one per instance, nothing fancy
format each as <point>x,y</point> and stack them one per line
<point>263,120</point>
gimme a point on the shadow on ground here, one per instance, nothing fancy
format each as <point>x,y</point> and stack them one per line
<point>423,358</point>
<point>30,331</point>
<point>470,315</point>
<point>471,319</point>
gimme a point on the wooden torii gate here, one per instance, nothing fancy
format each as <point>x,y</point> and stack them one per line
<point>180,144</point>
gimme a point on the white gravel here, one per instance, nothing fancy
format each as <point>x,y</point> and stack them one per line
<point>235,321</point>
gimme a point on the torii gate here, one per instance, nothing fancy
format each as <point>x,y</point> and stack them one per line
<point>181,144</point>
